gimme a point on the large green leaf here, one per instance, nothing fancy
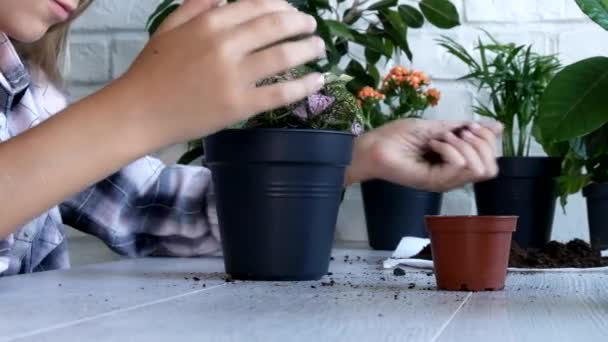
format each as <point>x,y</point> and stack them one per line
<point>597,10</point>
<point>373,72</point>
<point>321,3</point>
<point>575,102</point>
<point>396,29</point>
<point>339,29</point>
<point>372,42</point>
<point>411,16</point>
<point>382,4</point>
<point>356,70</point>
<point>441,13</point>
<point>333,55</point>
<point>372,56</point>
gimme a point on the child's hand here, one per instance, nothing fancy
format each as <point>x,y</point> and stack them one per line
<point>396,152</point>
<point>197,74</point>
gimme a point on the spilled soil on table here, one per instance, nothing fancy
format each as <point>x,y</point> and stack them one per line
<point>574,254</point>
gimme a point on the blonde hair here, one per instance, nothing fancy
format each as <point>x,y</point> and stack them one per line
<point>47,53</point>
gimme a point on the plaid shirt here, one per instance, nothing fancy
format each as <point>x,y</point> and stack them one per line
<point>145,209</point>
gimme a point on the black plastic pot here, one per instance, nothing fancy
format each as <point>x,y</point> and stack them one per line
<point>278,193</point>
<point>525,187</point>
<point>393,211</point>
<point>597,212</point>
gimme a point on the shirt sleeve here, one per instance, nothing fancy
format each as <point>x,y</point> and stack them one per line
<point>150,209</point>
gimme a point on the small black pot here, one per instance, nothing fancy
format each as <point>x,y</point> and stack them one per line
<point>278,195</point>
<point>393,211</point>
<point>525,187</point>
<point>597,212</point>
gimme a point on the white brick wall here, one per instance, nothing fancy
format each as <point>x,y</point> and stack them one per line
<point>107,38</point>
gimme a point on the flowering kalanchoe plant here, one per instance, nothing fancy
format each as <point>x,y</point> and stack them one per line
<point>404,94</point>
<point>331,108</point>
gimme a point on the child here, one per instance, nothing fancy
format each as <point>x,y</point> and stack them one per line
<point>85,165</point>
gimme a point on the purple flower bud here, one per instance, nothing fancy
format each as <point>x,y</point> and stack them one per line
<point>357,129</point>
<point>318,103</point>
<point>301,112</point>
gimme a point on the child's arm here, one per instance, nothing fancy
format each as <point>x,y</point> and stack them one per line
<point>149,209</point>
<point>192,79</point>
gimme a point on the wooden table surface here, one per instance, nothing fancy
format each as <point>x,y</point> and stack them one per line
<point>189,299</point>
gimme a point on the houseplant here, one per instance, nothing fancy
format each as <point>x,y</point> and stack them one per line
<point>515,78</point>
<point>393,211</point>
<point>380,27</point>
<point>573,112</point>
<point>278,179</point>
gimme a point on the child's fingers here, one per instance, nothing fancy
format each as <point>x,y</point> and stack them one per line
<point>449,154</point>
<point>281,94</point>
<point>485,152</point>
<point>243,11</point>
<point>473,159</point>
<point>488,135</point>
<point>268,29</point>
<point>186,12</point>
<point>284,56</point>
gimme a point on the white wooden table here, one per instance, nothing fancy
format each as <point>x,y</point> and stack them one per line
<point>160,300</point>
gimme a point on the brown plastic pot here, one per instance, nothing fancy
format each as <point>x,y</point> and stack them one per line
<point>471,253</point>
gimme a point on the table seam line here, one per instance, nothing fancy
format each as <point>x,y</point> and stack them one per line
<point>105,314</point>
<point>451,318</point>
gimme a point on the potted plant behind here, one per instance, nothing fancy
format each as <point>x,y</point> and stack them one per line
<point>515,78</point>
<point>393,211</point>
<point>574,113</point>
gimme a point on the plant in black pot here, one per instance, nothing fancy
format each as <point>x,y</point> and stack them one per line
<point>379,27</point>
<point>278,181</point>
<point>574,113</point>
<point>278,178</point>
<point>515,78</point>
<point>393,211</point>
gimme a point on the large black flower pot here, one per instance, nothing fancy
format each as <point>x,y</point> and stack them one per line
<point>525,187</point>
<point>597,212</point>
<point>393,211</point>
<point>278,192</point>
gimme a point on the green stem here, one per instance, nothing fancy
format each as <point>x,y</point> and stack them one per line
<point>521,141</point>
<point>507,146</point>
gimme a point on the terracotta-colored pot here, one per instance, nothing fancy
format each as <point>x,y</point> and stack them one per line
<point>471,253</point>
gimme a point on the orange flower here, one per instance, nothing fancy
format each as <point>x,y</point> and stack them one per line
<point>434,96</point>
<point>414,81</point>
<point>424,79</point>
<point>369,92</point>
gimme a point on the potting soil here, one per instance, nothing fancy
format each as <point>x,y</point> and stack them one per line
<point>574,254</point>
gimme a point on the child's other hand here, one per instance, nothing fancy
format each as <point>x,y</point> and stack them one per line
<point>397,151</point>
<point>197,74</point>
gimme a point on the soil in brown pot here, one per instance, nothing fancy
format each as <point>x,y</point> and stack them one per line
<point>574,254</point>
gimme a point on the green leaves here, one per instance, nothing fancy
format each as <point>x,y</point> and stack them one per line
<point>441,13</point>
<point>515,79</point>
<point>411,16</point>
<point>382,4</point>
<point>362,78</point>
<point>396,29</point>
<point>575,102</point>
<point>373,42</point>
<point>324,4</point>
<point>597,10</point>
<point>339,29</point>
